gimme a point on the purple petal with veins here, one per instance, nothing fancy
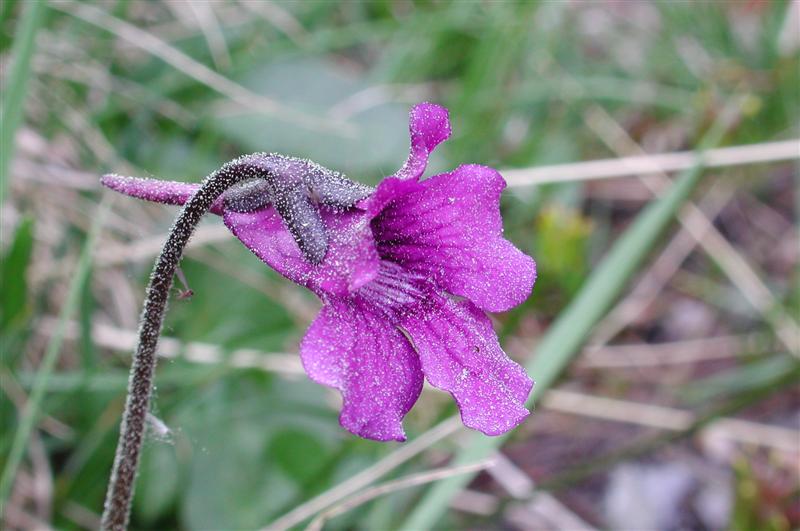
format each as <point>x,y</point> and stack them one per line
<point>460,354</point>
<point>354,349</point>
<point>352,258</point>
<point>461,247</point>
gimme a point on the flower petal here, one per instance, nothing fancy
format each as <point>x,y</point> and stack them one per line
<point>387,191</point>
<point>429,126</point>
<point>351,261</point>
<point>460,354</point>
<point>167,192</point>
<point>449,228</point>
<point>370,361</point>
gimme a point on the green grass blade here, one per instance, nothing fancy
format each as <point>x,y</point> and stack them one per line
<point>30,413</point>
<point>567,335</point>
<point>13,265</point>
<point>15,90</point>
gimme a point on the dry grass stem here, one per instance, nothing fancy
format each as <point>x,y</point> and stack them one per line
<point>412,480</point>
<point>96,77</point>
<point>121,340</point>
<point>545,509</point>
<point>244,97</point>
<point>542,504</point>
<point>280,18</point>
<point>665,418</point>
<point>475,502</point>
<point>367,476</point>
<point>631,166</point>
<point>146,248</point>
<point>209,25</point>
<point>674,352</point>
<point>511,477</point>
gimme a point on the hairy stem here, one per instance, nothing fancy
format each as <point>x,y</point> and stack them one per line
<point>140,384</point>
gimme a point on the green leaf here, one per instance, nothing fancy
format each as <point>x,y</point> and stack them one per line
<point>240,473</point>
<point>159,481</point>
<point>300,455</point>
<point>13,271</point>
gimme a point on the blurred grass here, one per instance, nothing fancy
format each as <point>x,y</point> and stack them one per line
<point>31,412</point>
<point>15,85</point>
<point>662,69</point>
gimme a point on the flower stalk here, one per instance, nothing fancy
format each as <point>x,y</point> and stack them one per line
<point>119,496</point>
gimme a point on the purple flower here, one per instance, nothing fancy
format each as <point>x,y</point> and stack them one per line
<point>387,264</point>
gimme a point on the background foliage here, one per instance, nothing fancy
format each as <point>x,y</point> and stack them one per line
<point>700,379</point>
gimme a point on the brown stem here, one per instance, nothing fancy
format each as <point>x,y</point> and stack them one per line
<point>140,384</point>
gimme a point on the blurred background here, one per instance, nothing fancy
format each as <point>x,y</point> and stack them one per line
<point>662,331</point>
